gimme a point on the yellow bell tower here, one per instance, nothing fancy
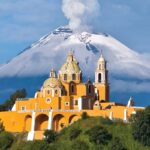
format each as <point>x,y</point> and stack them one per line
<point>101,80</point>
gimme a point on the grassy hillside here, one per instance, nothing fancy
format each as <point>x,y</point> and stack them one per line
<point>81,140</point>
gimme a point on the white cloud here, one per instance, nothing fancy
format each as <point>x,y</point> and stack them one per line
<point>130,86</point>
<point>80,13</point>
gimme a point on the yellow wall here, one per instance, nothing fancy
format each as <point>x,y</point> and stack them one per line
<point>19,122</point>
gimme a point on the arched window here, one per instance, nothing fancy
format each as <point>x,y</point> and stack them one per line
<point>99,77</point>
<point>89,88</point>
<point>74,77</point>
<point>62,92</point>
<point>56,91</point>
<point>72,88</point>
<point>48,91</point>
<point>65,76</point>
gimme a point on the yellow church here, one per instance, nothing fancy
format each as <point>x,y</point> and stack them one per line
<point>63,98</point>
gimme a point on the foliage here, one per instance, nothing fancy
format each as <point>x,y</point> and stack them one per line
<point>9,103</point>
<point>33,145</point>
<point>99,135</point>
<point>50,136</point>
<point>123,132</point>
<point>116,144</point>
<point>141,126</point>
<point>74,133</point>
<point>2,128</point>
<point>84,115</point>
<point>6,140</point>
<point>106,121</point>
<point>79,145</point>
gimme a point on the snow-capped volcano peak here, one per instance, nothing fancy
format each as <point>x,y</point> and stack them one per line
<point>51,51</point>
<point>62,31</point>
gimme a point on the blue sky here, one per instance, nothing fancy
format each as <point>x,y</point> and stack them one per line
<point>23,22</point>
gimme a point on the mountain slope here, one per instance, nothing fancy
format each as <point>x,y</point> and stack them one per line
<point>128,70</point>
<point>51,51</point>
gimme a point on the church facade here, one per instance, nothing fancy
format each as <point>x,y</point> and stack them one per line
<point>62,99</point>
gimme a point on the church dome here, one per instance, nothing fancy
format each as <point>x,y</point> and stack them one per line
<point>71,66</point>
<point>52,81</point>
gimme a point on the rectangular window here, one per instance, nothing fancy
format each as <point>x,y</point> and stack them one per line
<point>76,102</point>
<point>48,91</point>
<point>74,77</point>
<point>23,108</point>
<point>65,76</point>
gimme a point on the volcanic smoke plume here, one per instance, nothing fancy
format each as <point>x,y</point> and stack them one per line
<point>80,13</point>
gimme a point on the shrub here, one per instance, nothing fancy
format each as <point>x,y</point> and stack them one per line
<point>2,128</point>
<point>50,136</point>
<point>61,145</point>
<point>33,145</point>
<point>53,147</point>
<point>106,121</point>
<point>74,133</point>
<point>79,145</point>
<point>84,115</point>
<point>99,135</point>
<point>141,126</point>
<point>6,140</point>
<point>117,144</point>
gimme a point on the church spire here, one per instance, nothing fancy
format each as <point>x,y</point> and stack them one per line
<point>101,59</point>
<point>101,70</point>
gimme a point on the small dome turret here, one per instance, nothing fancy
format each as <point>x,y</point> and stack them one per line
<point>52,73</point>
<point>52,81</point>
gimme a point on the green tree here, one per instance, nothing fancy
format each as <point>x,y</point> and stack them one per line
<point>141,126</point>
<point>2,128</point>
<point>99,135</point>
<point>116,144</point>
<point>10,102</point>
<point>84,115</point>
<point>31,145</point>
<point>79,145</point>
<point>6,140</point>
<point>50,136</point>
<point>74,133</point>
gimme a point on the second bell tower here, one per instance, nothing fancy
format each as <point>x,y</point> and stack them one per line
<point>101,80</point>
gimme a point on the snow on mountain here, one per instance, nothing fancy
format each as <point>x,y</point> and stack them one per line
<point>51,51</point>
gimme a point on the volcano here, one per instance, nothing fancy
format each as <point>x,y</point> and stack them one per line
<point>129,70</point>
